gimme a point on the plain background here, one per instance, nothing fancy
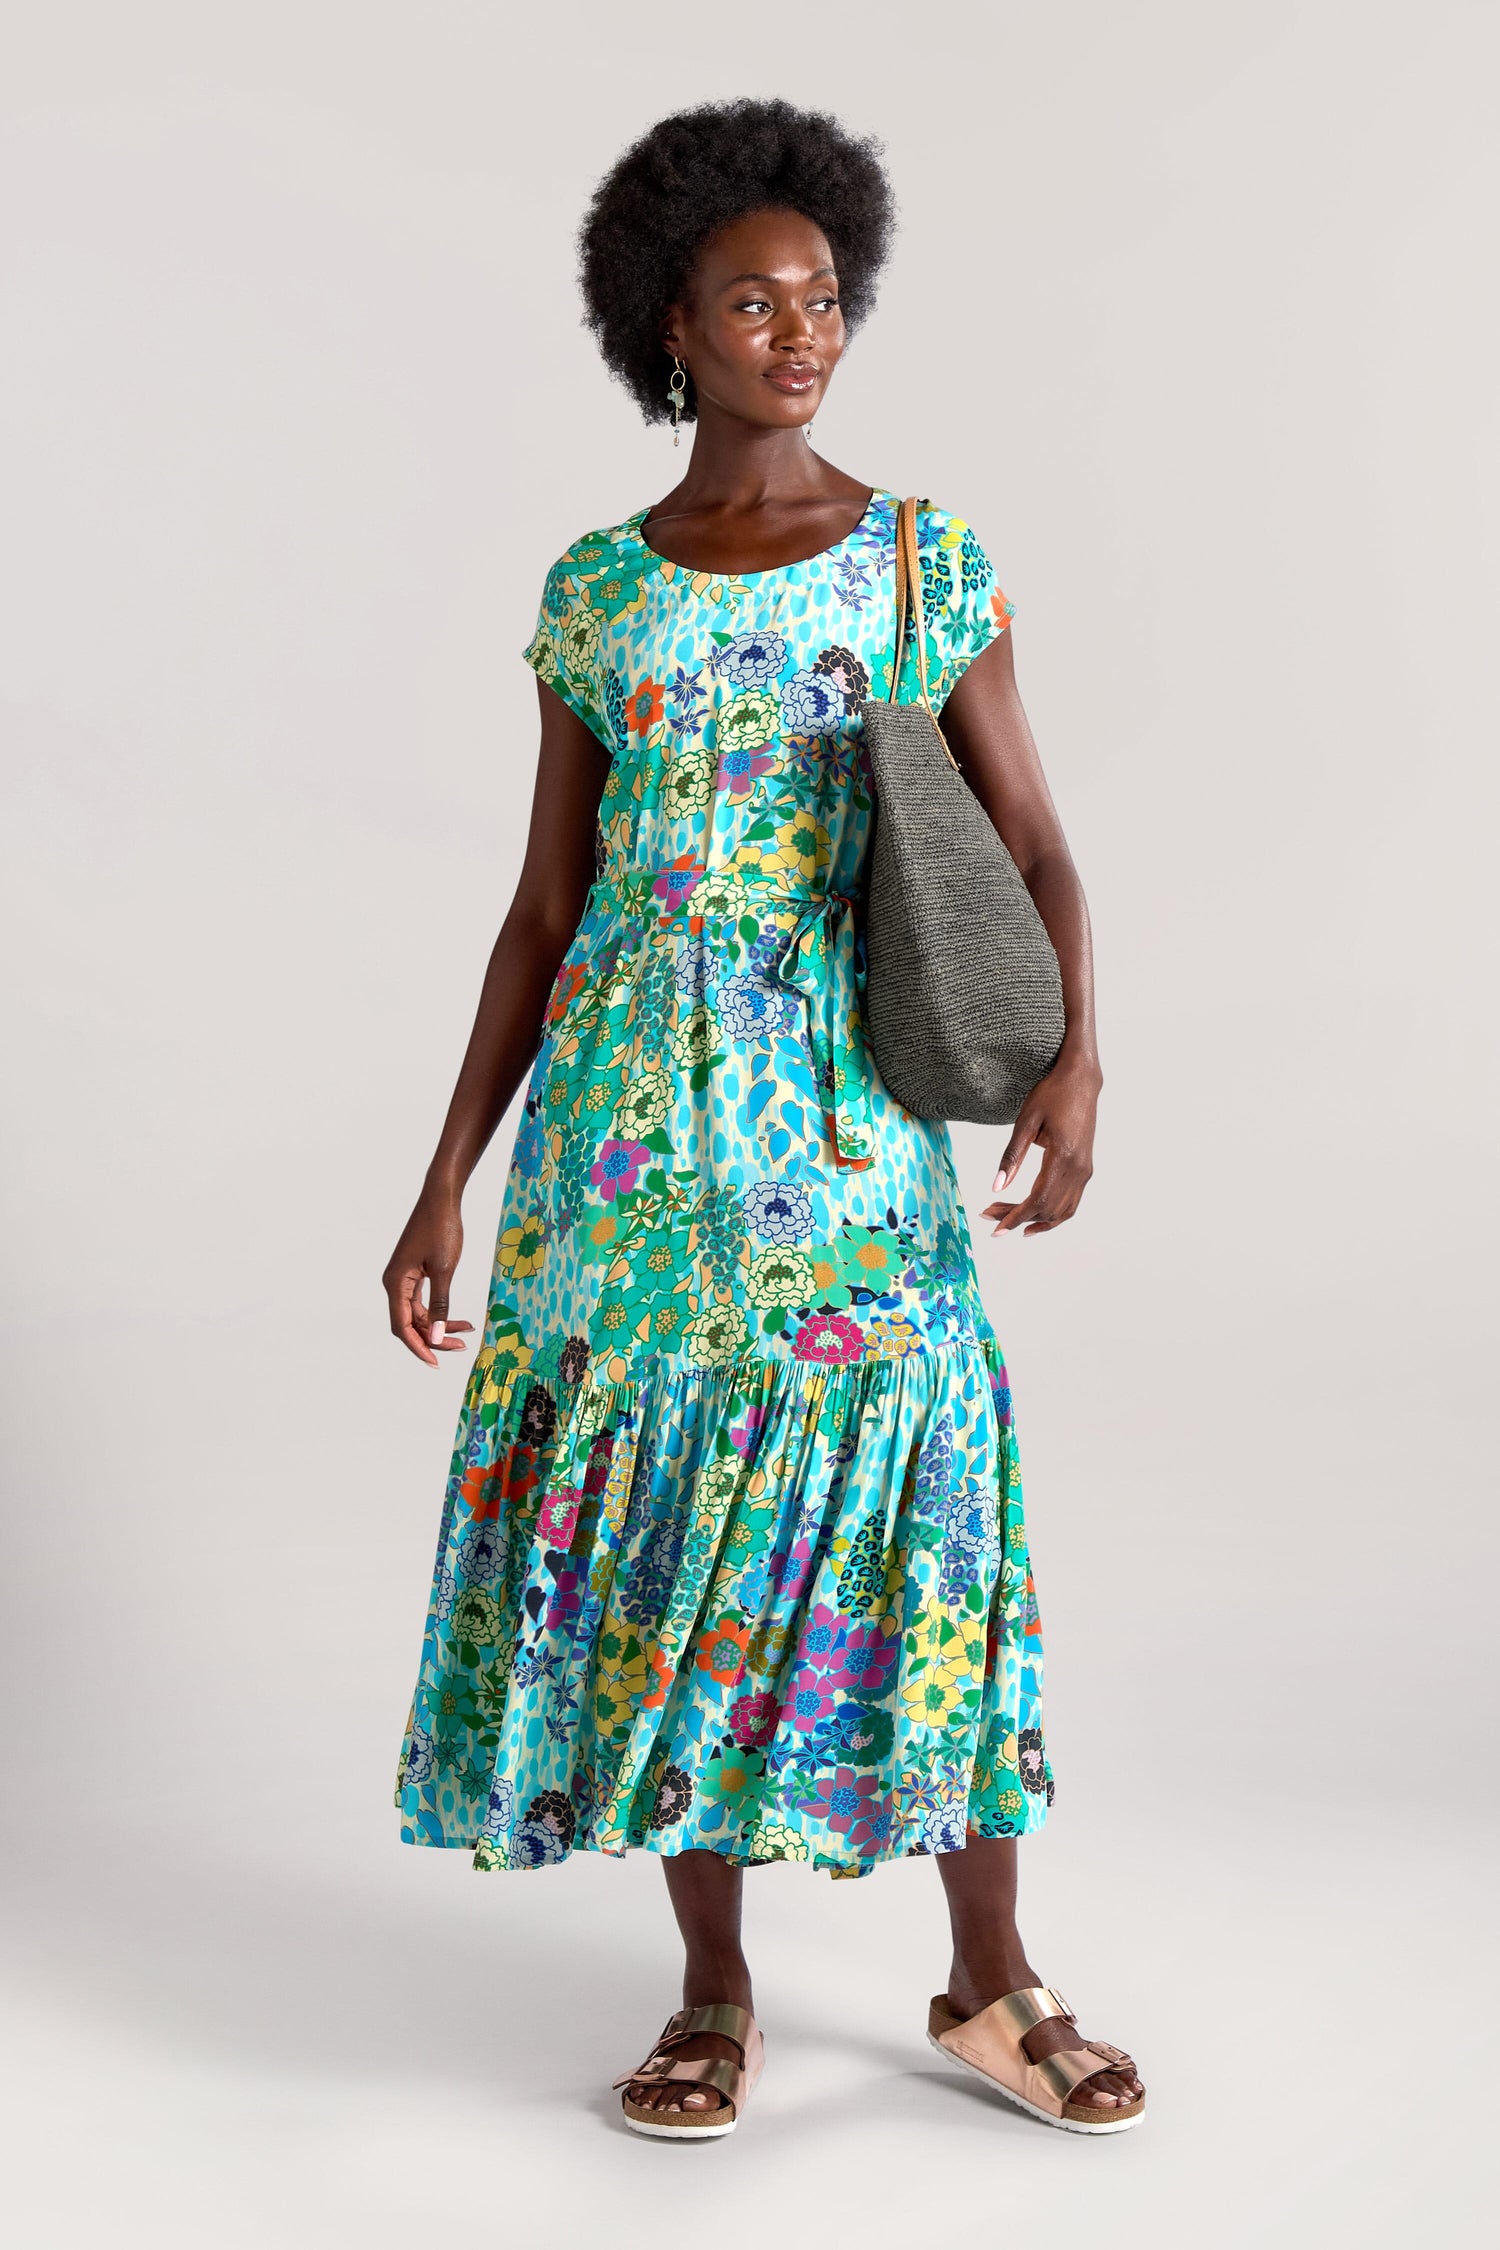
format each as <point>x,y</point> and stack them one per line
<point>1192,315</point>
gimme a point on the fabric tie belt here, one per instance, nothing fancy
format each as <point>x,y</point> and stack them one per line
<point>820,962</point>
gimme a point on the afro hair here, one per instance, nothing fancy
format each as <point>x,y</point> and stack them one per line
<point>696,172</point>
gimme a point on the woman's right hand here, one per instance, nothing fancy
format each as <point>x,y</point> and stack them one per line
<point>431,1243</point>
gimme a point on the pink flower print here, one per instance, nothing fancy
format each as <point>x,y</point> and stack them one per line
<point>790,1568</point>
<point>558,1518</point>
<point>809,1699</point>
<point>676,886</point>
<point>566,1600</point>
<point>852,1804</point>
<point>739,770</point>
<point>830,1339</point>
<point>864,1664</point>
<point>823,1637</point>
<point>618,1168</point>
<point>752,1720</point>
<point>744,1434</point>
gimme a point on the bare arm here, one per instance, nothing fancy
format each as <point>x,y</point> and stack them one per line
<point>990,736</point>
<point>555,876</point>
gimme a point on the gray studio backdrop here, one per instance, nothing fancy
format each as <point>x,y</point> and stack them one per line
<point>1190,315</point>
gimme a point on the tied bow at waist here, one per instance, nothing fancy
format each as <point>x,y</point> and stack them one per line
<point>820,961</point>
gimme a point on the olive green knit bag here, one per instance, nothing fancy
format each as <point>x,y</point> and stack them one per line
<point>963,996</point>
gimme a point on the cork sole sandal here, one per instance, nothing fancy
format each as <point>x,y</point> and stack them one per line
<point>989,2047</point>
<point>732,2082</point>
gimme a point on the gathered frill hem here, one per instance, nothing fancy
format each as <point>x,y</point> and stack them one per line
<point>486,1862</point>
<point>676,1612</point>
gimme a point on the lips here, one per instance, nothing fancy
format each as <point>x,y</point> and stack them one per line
<point>793,380</point>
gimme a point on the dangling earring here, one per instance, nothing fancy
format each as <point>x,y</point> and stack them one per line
<point>677,393</point>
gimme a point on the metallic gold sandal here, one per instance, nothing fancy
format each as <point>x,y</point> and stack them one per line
<point>989,2045</point>
<point>733,2082</point>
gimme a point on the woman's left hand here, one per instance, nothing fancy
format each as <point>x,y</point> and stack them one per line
<point>1058,1114</point>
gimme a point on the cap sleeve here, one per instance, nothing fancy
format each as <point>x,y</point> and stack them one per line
<point>564,649</point>
<point>963,605</point>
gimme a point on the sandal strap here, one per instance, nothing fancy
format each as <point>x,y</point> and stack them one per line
<point>721,2017</point>
<point>726,2021</point>
<point>991,2041</point>
<point>717,2071</point>
<point>1020,2012</point>
<point>1062,2072</point>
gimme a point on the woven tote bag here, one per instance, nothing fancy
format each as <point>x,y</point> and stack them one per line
<point>963,996</point>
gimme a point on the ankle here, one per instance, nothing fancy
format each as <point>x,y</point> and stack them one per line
<point>981,1974</point>
<point>718,1976</point>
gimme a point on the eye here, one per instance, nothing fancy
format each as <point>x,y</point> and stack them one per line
<point>829,303</point>
<point>753,304</point>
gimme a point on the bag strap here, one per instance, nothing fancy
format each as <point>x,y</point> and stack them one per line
<point>909,605</point>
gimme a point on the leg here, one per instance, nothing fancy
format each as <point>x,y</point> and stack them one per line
<point>989,1959</point>
<point>705,1891</point>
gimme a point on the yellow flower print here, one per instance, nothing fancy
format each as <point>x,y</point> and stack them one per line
<point>940,1665</point>
<point>768,1645</point>
<point>522,1249</point>
<point>932,1696</point>
<point>614,1704</point>
<point>497,1365</point>
<point>1012,1803</point>
<point>802,846</point>
<point>894,1338</point>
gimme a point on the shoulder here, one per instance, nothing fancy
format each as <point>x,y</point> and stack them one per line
<point>945,530</point>
<point>958,577</point>
<point>598,551</point>
<point>601,571</point>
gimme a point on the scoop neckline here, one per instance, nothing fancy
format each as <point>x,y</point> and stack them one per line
<point>750,577</point>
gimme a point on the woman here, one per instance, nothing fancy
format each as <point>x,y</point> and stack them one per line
<point>732,1565</point>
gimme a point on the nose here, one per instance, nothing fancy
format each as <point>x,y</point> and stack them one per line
<point>796,335</point>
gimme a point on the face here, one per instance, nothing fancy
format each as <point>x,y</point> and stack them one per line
<point>760,330</point>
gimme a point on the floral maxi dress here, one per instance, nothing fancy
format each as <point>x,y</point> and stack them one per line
<point>732,1555</point>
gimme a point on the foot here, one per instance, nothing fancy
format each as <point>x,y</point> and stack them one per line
<point>696,1994</point>
<point>968,1993</point>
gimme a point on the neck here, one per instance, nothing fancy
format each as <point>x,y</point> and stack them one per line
<point>742,465</point>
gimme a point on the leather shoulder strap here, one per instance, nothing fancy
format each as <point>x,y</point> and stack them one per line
<point>909,605</point>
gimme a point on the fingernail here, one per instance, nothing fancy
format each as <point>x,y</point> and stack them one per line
<point>439,1331</point>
